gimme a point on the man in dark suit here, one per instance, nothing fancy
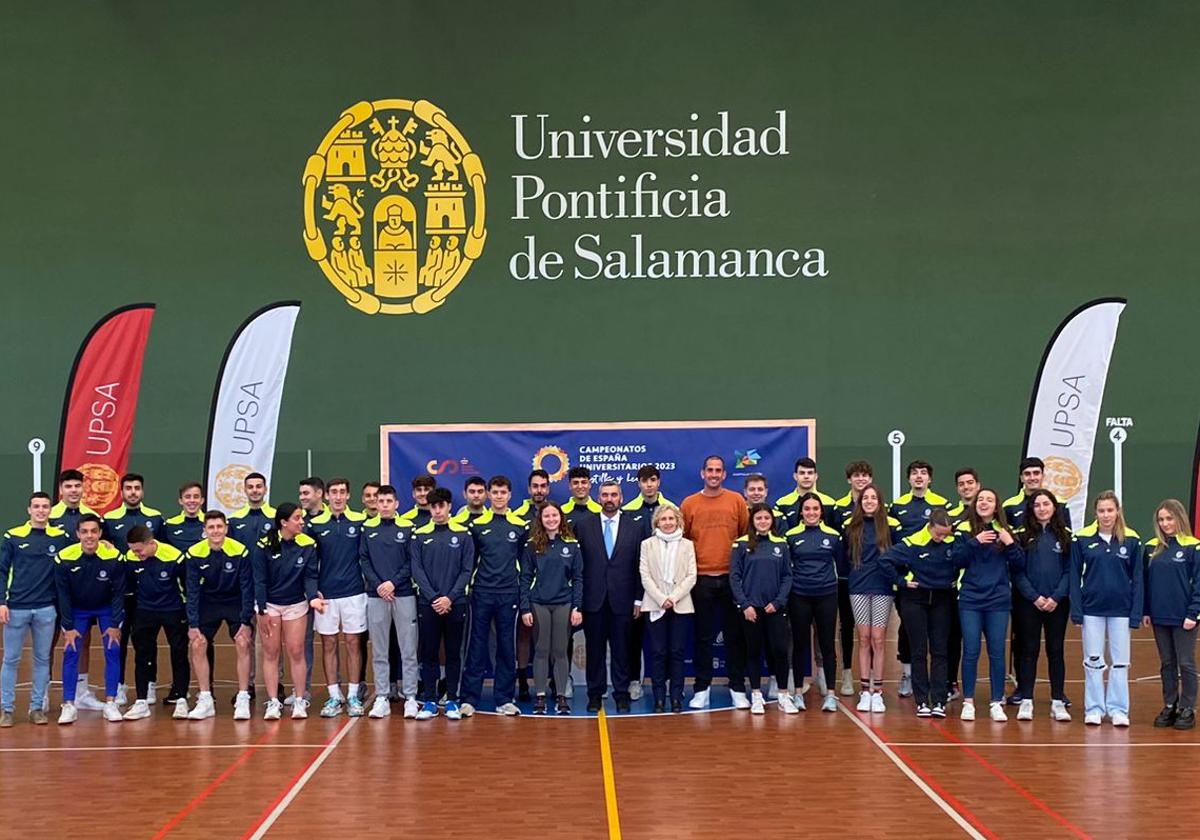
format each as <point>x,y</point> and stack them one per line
<point>612,589</point>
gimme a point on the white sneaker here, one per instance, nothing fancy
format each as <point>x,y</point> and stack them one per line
<point>756,703</point>
<point>122,695</point>
<point>1026,710</point>
<point>466,710</point>
<point>906,688</point>
<point>739,699</point>
<point>968,710</point>
<point>772,689</point>
<point>509,710</point>
<point>798,702</point>
<point>864,702</point>
<point>289,700</point>
<point>996,711</point>
<point>112,713</point>
<point>204,708</point>
<point>806,685</point>
<point>1120,719</point>
<point>411,707</point>
<point>89,702</point>
<point>274,710</point>
<point>381,708</point>
<point>68,714</point>
<point>819,681</point>
<point>140,709</point>
<point>847,689</point>
<point>332,707</point>
<point>635,690</point>
<point>699,699</point>
<point>830,704</point>
<point>300,709</point>
<point>181,709</point>
<point>241,706</point>
<point>877,706</point>
<point>786,705</point>
<point>151,694</point>
<point>1093,718</point>
<point>1058,711</point>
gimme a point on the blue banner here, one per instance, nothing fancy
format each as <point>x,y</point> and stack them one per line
<point>611,451</point>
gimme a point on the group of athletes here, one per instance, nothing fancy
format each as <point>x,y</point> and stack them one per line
<point>440,599</point>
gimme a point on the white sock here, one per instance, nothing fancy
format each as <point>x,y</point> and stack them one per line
<point>81,685</point>
<point>352,690</point>
<point>335,692</point>
<point>243,694</point>
<point>205,695</point>
<point>907,669</point>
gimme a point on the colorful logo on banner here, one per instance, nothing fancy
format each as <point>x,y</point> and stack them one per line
<point>394,206</point>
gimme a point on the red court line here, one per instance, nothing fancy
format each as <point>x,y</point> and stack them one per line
<point>213,785</point>
<point>266,814</point>
<point>929,780</point>
<point>1008,780</point>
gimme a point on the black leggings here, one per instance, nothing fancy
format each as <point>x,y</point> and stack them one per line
<point>804,610</point>
<point>846,619</point>
<point>145,650</point>
<point>769,631</point>
<point>1029,623</point>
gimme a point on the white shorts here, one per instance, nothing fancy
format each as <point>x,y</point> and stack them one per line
<point>348,615</point>
<point>288,612</point>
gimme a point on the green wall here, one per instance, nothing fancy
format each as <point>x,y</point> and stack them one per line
<point>972,172</point>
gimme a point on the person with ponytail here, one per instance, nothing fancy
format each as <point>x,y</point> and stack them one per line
<point>986,553</point>
<point>667,566</point>
<point>1040,605</point>
<point>285,587</point>
<point>869,533</point>
<point>1106,599</point>
<point>1172,610</point>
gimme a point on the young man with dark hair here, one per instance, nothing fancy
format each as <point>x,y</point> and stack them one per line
<point>754,491</point>
<point>538,486</point>
<point>581,502</point>
<point>499,536</point>
<point>340,583</point>
<point>90,580</point>
<point>220,589</point>
<point>383,553</point>
<point>641,513</point>
<point>187,528</point>
<point>475,495</point>
<point>966,482</point>
<point>805,474</point>
<point>27,605</point>
<point>159,578</point>
<point>858,475</point>
<point>370,490</point>
<point>419,514</point>
<point>64,515</point>
<point>443,555</point>
<point>1031,472</point>
<point>311,495</point>
<point>117,525</point>
<point>248,525</point>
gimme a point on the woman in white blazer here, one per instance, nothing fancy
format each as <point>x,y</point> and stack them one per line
<point>668,570</point>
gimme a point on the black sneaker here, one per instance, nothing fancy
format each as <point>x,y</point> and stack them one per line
<point>938,711</point>
<point>1014,699</point>
<point>539,705</point>
<point>1186,719</point>
<point>564,705</point>
<point>659,707</point>
<point>677,706</point>
<point>923,711</point>
<point>1166,718</point>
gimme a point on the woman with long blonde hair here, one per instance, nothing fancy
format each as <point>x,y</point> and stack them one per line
<point>1172,610</point>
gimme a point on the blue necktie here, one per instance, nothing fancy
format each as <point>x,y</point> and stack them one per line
<point>609,538</point>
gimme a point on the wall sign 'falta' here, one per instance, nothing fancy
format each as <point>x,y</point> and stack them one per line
<point>394,206</point>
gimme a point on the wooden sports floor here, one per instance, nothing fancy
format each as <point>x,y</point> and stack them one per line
<point>712,774</point>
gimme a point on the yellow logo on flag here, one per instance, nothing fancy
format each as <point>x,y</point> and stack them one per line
<point>1062,477</point>
<point>230,485</point>
<point>394,206</point>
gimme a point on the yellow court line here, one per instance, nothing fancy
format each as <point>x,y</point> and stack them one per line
<point>610,784</point>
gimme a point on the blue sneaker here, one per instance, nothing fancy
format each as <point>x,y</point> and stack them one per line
<point>452,712</point>
<point>428,711</point>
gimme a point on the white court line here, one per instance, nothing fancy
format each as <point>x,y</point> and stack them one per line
<point>277,812</point>
<point>969,829</point>
<point>151,747</point>
<point>1063,744</point>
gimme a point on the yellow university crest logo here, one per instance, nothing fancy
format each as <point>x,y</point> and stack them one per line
<point>394,206</point>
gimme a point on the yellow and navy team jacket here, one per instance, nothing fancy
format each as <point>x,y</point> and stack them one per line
<point>464,516</point>
<point>383,555</point>
<point>499,543</point>
<point>27,556</point>
<point>119,521</point>
<point>158,582</point>
<point>443,557</point>
<point>248,525</point>
<point>286,573</point>
<point>818,559</point>
<point>1047,569</point>
<point>984,581</point>
<point>641,513</point>
<point>912,512</point>
<point>218,578</point>
<point>763,575</point>
<point>552,578</point>
<point>340,573</point>
<point>920,558</point>
<point>526,510</point>
<point>959,512</point>
<point>183,531</point>
<point>1014,510</point>
<point>573,511</point>
<point>871,576</point>
<point>1173,581</point>
<point>67,519</point>
<point>1107,578</point>
<point>417,516</point>
<point>843,509</point>
<point>89,582</point>
<point>789,506</point>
